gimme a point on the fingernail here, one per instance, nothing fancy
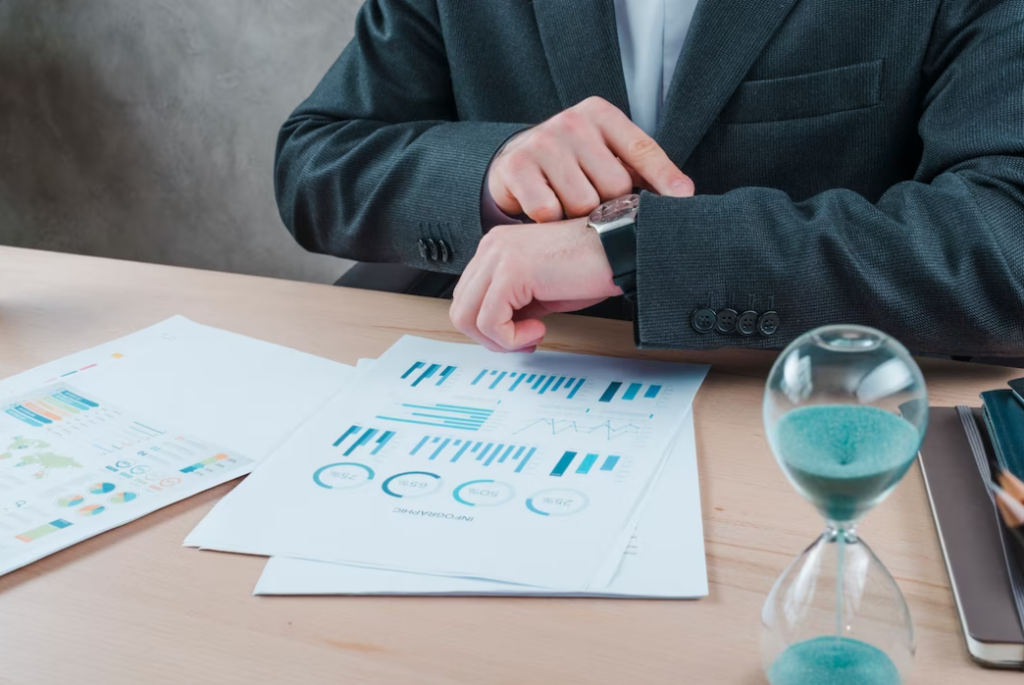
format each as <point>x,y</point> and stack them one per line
<point>681,186</point>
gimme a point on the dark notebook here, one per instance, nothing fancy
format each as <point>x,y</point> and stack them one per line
<point>971,535</point>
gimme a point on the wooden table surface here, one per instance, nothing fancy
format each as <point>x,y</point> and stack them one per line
<point>134,606</point>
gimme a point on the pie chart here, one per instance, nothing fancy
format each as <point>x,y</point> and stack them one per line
<point>70,501</point>
<point>101,488</point>
<point>91,510</point>
<point>122,497</point>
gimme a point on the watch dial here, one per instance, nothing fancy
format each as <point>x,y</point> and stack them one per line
<point>615,209</point>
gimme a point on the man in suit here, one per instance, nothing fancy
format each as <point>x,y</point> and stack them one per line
<point>798,163</point>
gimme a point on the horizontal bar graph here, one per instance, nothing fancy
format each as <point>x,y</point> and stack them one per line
<point>429,371</point>
<point>631,392</point>
<point>584,464</point>
<point>364,439</point>
<point>200,465</point>
<point>43,530</point>
<point>442,415</point>
<point>50,407</point>
<point>440,448</point>
<point>510,381</point>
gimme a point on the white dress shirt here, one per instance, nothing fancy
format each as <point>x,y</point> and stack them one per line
<point>651,36</point>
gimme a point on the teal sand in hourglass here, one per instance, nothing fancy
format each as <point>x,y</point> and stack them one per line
<point>845,410</point>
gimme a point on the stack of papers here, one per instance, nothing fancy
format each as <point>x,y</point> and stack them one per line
<point>447,469</point>
<point>104,436</point>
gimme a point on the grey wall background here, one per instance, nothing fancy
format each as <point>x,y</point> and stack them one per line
<point>145,129</point>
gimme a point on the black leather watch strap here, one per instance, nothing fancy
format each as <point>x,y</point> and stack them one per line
<point>620,248</point>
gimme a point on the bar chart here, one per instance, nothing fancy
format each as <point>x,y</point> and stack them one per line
<point>481,452</point>
<point>360,439</point>
<point>442,415</point>
<point>80,420</point>
<point>631,393</point>
<point>51,407</point>
<point>200,465</point>
<point>428,372</point>
<point>584,463</point>
<point>43,530</point>
<point>510,381</point>
<point>608,429</point>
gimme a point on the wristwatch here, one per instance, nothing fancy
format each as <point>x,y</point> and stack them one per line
<point>615,223</point>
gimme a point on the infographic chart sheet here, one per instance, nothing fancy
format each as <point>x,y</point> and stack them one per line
<point>448,459</point>
<point>73,465</point>
<point>102,436</point>
<point>664,559</point>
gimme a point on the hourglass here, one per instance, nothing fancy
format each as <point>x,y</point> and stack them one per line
<point>845,410</point>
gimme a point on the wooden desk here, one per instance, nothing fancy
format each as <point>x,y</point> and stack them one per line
<point>133,606</point>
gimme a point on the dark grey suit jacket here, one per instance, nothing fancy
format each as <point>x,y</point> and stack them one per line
<point>857,161</point>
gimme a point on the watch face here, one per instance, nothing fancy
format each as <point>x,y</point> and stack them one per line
<point>615,213</point>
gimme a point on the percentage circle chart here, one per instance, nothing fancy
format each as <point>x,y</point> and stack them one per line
<point>343,475</point>
<point>411,484</point>
<point>483,493</point>
<point>91,510</point>
<point>101,488</point>
<point>122,497</point>
<point>70,501</point>
<point>557,502</point>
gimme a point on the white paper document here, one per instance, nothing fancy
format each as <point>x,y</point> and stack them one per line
<point>451,460</point>
<point>104,436</point>
<point>665,558</point>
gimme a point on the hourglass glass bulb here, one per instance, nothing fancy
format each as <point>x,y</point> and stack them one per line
<point>845,410</point>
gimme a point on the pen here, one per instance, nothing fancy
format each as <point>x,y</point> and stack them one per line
<point>1011,511</point>
<point>1012,485</point>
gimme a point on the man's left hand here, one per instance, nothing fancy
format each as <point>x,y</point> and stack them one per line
<point>522,273</point>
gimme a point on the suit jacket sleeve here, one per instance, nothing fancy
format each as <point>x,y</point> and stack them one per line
<point>937,262</point>
<point>374,160</point>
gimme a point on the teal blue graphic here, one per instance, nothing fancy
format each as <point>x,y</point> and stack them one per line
<point>483,493</point>
<point>443,415</point>
<point>343,475</point>
<point>491,379</point>
<point>557,502</point>
<point>411,484</point>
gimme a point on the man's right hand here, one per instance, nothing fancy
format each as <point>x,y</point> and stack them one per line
<point>577,159</point>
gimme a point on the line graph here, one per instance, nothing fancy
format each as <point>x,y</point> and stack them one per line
<point>556,426</point>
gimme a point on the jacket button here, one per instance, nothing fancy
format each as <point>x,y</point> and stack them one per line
<point>444,250</point>
<point>423,247</point>
<point>746,323</point>
<point>432,246</point>
<point>725,322</point>
<point>768,323</point>
<point>703,320</point>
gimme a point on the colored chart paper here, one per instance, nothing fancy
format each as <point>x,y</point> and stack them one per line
<point>488,474</point>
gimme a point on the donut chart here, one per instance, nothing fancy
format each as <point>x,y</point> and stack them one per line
<point>411,484</point>
<point>557,502</point>
<point>483,493</point>
<point>344,475</point>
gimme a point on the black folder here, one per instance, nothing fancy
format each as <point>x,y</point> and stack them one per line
<point>956,458</point>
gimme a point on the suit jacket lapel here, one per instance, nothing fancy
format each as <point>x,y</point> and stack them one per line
<point>725,38</point>
<point>581,44</point>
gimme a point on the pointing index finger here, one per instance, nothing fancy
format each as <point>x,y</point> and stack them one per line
<point>640,152</point>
